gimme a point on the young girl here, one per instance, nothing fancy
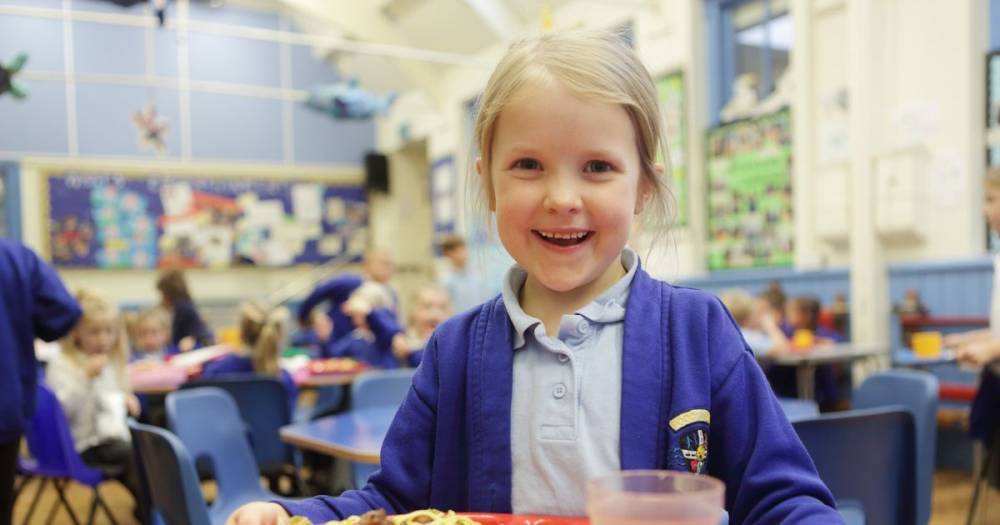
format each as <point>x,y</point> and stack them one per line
<point>585,365</point>
<point>188,330</point>
<point>431,306</point>
<point>88,377</point>
<point>262,332</point>
<point>151,335</point>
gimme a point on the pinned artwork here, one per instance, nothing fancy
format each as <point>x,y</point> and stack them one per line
<point>113,220</point>
<point>348,101</point>
<point>152,129</point>
<point>7,72</point>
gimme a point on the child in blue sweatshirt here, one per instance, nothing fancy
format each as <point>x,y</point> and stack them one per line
<point>584,365</point>
<point>33,303</point>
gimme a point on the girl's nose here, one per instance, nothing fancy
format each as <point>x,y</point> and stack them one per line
<point>562,195</point>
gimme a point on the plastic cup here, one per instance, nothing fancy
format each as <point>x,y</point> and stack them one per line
<point>926,344</point>
<point>655,497</point>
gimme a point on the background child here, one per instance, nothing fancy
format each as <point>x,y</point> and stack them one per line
<point>430,307</point>
<point>151,335</point>
<point>585,365</point>
<point>33,303</point>
<point>465,287</point>
<point>371,312</point>
<point>262,334</point>
<point>188,330</point>
<point>88,377</point>
<point>758,326</point>
<point>377,270</point>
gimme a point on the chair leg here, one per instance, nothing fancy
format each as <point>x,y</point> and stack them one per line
<point>979,482</point>
<point>65,502</point>
<point>93,508</point>
<point>18,487</point>
<point>104,505</point>
<point>34,502</point>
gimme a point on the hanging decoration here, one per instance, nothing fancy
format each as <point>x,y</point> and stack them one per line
<point>348,101</point>
<point>152,129</point>
<point>7,72</point>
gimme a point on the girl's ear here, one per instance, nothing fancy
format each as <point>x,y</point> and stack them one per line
<point>485,182</point>
<point>646,189</point>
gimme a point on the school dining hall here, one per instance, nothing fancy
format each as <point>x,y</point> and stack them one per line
<point>499,262</point>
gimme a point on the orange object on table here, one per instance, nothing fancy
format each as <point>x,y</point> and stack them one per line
<point>926,344</point>
<point>803,339</point>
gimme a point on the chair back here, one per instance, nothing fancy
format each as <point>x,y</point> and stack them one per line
<point>51,443</point>
<point>207,421</point>
<point>381,388</point>
<point>262,404</point>
<point>917,391</point>
<point>868,456</point>
<point>174,488</point>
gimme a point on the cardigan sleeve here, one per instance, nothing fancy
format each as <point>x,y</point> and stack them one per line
<point>768,473</point>
<point>404,481</point>
<point>335,290</point>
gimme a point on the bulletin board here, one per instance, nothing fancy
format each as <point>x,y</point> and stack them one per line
<point>115,220</point>
<point>992,129</point>
<point>750,193</point>
<point>673,104</point>
<point>444,199</point>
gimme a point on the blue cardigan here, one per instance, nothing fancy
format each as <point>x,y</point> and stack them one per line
<point>449,446</point>
<point>33,303</point>
<point>377,353</point>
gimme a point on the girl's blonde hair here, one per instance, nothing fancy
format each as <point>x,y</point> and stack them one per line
<point>96,306</point>
<point>262,330</point>
<point>595,65</point>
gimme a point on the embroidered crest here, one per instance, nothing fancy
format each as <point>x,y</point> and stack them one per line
<point>694,449</point>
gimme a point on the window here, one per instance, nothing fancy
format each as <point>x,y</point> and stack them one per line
<point>746,37</point>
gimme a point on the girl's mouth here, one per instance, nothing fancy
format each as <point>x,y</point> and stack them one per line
<point>563,239</point>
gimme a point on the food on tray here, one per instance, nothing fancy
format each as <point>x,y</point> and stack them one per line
<point>378,517</point>
<point>335,365</point>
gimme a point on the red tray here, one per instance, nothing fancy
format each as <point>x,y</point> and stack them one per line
<point>520,519</point>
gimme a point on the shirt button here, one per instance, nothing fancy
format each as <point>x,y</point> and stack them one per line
<point>583,327</point>
<point>559,391</point>
<point>563,358</point>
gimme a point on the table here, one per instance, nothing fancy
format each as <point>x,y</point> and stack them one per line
<point>322,380</point>
<point>805,362</point>
<point>355,435</point>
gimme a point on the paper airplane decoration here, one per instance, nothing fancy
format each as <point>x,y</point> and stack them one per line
<point>347,101</point>
<point>152,129</point>
<point>7,72</point>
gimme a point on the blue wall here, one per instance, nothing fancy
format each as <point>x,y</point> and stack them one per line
<point>224,126</point>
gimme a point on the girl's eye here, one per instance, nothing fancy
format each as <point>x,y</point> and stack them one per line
<point>598,166</point>
<point>526,164</point>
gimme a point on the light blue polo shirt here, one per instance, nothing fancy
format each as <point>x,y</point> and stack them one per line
<point>566,407</point>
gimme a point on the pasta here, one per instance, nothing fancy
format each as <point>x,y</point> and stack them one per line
<point>418,517</point>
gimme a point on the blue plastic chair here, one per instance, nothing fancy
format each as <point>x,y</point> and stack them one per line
<point>174,488</point>
<point>796,409</point>
<point>263,406</point>
<point>374,389</point>
<point>867,456</point>
<point>55,459</point>
<point>917,391</point>
<point>207,421</point>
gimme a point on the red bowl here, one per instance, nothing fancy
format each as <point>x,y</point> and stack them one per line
<point>521,519</point>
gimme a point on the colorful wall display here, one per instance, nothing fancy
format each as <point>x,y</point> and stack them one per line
<point>673,104</point>
<point>750,193</point>
<point>992,129</point>
<point>116,220</point>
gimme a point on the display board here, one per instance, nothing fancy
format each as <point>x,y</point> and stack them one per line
<point>673,104</point>
<point>750,193</point>
<point>992,129</point>
<point>130,220</point>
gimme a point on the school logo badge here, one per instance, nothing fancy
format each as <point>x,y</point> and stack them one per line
<point>690,450</point>
<point>694,450</point>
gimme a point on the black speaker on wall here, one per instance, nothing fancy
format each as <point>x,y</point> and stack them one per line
<point>376,172</point>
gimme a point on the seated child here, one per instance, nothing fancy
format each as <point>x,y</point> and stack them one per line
<point>431,306</point>
<point>88,377</point>
<point>262,334</point>
<point>759,328</point>
<point>151,335</point>
<point>585,365</point>
<point>802,313</point>
<point>371,311</point>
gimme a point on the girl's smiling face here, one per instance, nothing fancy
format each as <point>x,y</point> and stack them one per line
<point>565,185</point>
